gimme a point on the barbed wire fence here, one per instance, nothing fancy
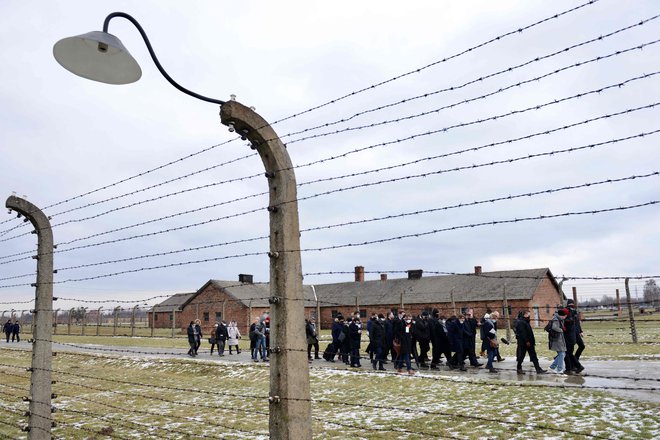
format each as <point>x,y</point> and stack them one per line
<point>78,262</point>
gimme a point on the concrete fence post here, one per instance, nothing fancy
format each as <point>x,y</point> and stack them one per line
<point>115,320</point>
<point>40,419</point>
<point>631,315</point>
<point>507,316</point>
<point>153,320</point>
<point>55,313</point>
<point>290,405</point>
<point>173,321</point>
<point>68,324</point>
<point>133,321</point>
<point>98,321</point>
<point>84,321</point>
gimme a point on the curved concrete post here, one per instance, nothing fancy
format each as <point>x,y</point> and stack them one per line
<point>290,409</point>
<point>98,320</point>
<point>39,424</point>
<point>84,321</point>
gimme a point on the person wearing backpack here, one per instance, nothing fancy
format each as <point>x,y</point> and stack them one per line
<point>556,341</point>
<point>526,343</point>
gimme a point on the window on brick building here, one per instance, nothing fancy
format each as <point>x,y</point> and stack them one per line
<point>363,313</point>
<point>464,310</point>
<point>335,313</point>
<point>218,316</point>
<point>171,316</point>
<point>155,316</point>
<point>206,316</point>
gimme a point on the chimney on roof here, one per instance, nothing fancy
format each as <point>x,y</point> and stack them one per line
<point>415,274</point>
<point>245,278</point>
<point>383,277</point>
<point>477,270</point>
<point>359,274</point>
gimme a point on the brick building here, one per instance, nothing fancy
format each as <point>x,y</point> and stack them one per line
<point>219,300</point>
<point>533,289</point>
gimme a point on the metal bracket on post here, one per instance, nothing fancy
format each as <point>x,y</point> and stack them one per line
<point>40,422</point>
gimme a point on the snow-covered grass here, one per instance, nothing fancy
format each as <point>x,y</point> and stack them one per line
<point>122,397</point>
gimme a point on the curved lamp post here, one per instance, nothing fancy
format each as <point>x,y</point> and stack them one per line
<point>39,426</point>
<point>102,57</point>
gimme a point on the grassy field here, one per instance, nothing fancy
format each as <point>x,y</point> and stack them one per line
<point>122,397</point>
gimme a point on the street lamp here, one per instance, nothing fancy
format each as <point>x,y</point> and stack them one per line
<point>102,57</point>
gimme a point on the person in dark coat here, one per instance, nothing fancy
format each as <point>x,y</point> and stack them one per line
<point>7,328</point>
<point>403,333</point>
<point>16,331</point>
<point>355,336</point>
<point>221,336</point>
<point>439,340</point>
<point>198,334</point>
<point>370,322</point>
<point>191,339</point>
<point>312,339</point>
<point>471,326</point>
<point>422,336</point>
<point>212,340</point>
<point>571,335</point>
<point>378,341</point>
<point>526,342</point>
<point>457,341</point>
<point>389,336</point>
<point>336,331</point>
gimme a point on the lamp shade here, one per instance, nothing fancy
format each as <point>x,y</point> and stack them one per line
<point>98,56</point>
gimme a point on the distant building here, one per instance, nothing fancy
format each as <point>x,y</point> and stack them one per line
<point>533,289</point>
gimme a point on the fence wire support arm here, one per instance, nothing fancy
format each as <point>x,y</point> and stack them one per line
<point>40,418</point>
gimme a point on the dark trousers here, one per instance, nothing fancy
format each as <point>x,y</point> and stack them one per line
<point>213,344</point>
<point>355,356</point>
<point>424,346</point>
<point>316,350</point>
<point>570,360</point>
<point>521,352</point>
<point>17,336</point>
<point>379,357</point>
<point>580,349</point>
<point>7,334</point>
<point>221,346</point>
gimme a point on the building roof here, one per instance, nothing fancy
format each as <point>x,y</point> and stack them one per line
<point>251,294</point>
<point>487,286</point>
<point>176,301</point>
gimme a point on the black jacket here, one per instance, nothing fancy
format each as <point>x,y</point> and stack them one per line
<point>221,333</point>
<point>377,335</point>
<point>524,332</point>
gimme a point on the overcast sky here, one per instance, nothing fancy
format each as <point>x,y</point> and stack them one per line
<point>62,136</point>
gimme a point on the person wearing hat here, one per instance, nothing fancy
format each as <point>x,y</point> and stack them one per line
<point>556,341</point>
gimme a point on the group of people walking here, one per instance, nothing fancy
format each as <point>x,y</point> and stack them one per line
<point>428,337</point>
<point>564,334</point>
<point>12,330</point>
<point>224,335</point>
<point>423,339</point>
